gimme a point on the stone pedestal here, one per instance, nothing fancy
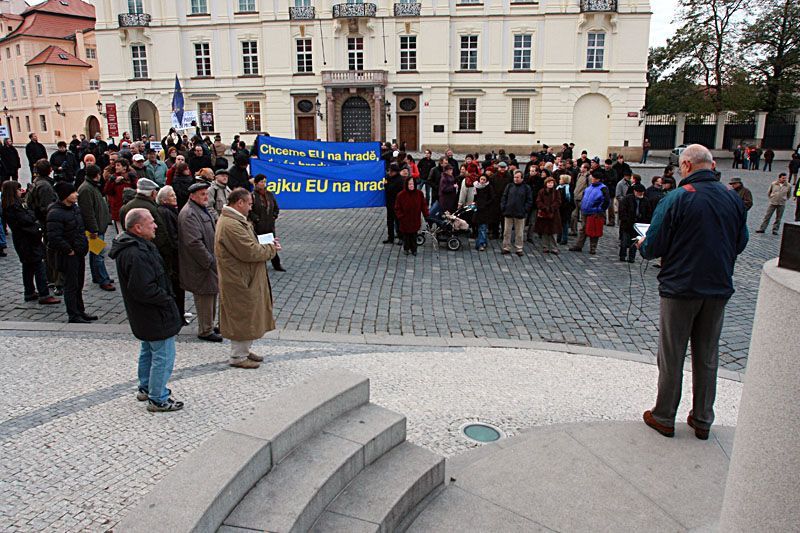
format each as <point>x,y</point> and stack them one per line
<point>763,488</point>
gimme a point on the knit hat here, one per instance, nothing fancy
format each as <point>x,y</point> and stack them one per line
<point>63,189</point>
<point>145,185</point>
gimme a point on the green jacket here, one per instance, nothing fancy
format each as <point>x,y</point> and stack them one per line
<point>162,242</point>
<point>94,209</point>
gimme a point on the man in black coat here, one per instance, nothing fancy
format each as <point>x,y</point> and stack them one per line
<point>66,236</point>
<point>10,159</point>
<point>64,163</point>
<point>394,184</point>
<point>238,176</point>
<point>515,204</point>
<point>434,177</point>
<point>199,159</point>
<point>150,306</point>
<point>34,151</point>
<point>633,209</point>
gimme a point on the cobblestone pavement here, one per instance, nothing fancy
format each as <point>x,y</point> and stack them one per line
<point>341,279</point>
<point>78,451</point>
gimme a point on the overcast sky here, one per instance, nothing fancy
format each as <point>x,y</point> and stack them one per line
<point>661,27</point>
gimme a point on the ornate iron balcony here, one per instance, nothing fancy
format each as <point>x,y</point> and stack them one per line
<point>598,5</point>
<point>354,10</point>
<point>407,9</point>
<point>302,13</point>
<point>133,20</point>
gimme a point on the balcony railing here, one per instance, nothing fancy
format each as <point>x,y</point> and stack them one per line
<point>407,9</point>
<point>354,78</point>
<point>133,20</point>
<point>598,5</point>
<point>302,13</point>
<point>354,10</point>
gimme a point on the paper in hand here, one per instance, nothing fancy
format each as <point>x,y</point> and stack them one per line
<point>266,238</point>
<point>641,229</point>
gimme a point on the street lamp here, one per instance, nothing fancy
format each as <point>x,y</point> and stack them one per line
<point>388,105</point>
<point>5,111</point>
<point>99,105</point>
<point>58,110</point>
<point>318,107</point>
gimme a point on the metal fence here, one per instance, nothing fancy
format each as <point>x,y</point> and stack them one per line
<point>700,129</point>
<point>738,127</point>
<point>660,131</point>
<point>779,131</point>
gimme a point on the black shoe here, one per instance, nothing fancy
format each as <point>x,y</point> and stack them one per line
<point>32,297</point>
<point>216,330</point>
<point>575,249</point>
<point>166,407</point>
<point>213,337</point>
<point>622,259</point>
<point>280,269</point>
<point>78,320</point>
<point>90,318</point>
<point>388,241</point>
<point>759,231</point>
<point>631,260</point>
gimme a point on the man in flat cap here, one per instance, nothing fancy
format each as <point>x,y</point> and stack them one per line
<point>146,192</point>
<point>743,192</point>
<point>198,265</point>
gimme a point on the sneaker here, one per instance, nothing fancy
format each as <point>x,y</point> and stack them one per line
<point>245,363</point>
<point>166,407</point>
<point>255,357</point>
<point>141,395</point>
<point>49,300</point>
<point>32,297</point>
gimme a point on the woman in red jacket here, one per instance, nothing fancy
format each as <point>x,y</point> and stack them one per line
<point>409,207</point>
<point>115,186</point>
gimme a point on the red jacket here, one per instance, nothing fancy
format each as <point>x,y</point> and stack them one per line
<point>409,207</point>
<point>113,192</point>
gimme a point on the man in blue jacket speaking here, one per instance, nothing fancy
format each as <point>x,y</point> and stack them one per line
<point>697,231</point>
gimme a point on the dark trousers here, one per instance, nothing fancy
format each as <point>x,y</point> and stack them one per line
<point>627,249</point>
<point>797,212</point>
<point>767,166</point>
<point>410,242</point>
<point>35,272</point>
<point>74,273</point>
<point>699,321</point>
<point>276,262</point>
<point>391,222</point>
<point>180,294</point>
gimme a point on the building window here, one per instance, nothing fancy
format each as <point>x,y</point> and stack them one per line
<point>202,59</point>
<point>459,2</point>
<point>467,114</point>
<point>595,50</point>
<point>250,58</point>
<point>13,89</point>
<point>408,52</point>
<point>3,87</point>
<point>91,53</point>
<point>205,110</point>
<point>199,7</point>
<point>17,119</point>
<point>355,53</point>
<point>139,55</point>
<point>8,53</point>
<point>469,52</point>
<point>522,52</point>
<point>19,50</point>
<point>22,88</point>
<point>520,113</point>
<point>135,6</point>
<point>28,123</point>
<point>39,89</point>
<point>252,116</point>
<point>42,123</point>
<point>305,61</point>
<point>94,85</point>
<point>247,6</point>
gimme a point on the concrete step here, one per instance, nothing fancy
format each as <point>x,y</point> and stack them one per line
<point>297,490</point>
<point>380,497</point>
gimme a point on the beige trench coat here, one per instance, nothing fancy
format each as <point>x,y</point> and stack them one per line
<point>244,292</point>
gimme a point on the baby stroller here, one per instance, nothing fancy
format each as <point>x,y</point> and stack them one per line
<point>446,229</point>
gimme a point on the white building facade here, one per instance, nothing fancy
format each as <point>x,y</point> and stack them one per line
<point>466,74</point>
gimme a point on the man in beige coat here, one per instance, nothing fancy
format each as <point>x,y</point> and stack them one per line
<point>244,290</point>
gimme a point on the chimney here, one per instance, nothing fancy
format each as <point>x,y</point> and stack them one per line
<point>80,46</point>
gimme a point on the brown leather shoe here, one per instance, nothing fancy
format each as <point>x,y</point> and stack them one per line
<point>653,423</point>
<point>245,363</point>
<point>701,434</point>
<point>255,357</point>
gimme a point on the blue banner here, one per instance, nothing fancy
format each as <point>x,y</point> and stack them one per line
<point>323,187</point>
<point>315,153</point>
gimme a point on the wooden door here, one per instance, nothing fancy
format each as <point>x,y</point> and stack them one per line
<point>306,128</point>
<point>408,131</point>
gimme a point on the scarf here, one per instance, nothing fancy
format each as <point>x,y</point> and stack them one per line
<point>479,185</point>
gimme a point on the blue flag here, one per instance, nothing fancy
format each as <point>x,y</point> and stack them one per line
<point>177,101</point>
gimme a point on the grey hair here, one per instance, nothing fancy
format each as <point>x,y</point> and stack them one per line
<point>697,155</point>
<point>135,216</point>
<point>163,193</point>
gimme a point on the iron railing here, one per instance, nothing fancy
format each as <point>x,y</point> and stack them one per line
<point>598,5</point>
<point>407,9</point>
<point>302,13</point>
<point>134,20</point>
<point>354,10</point>
<point>352,78</point>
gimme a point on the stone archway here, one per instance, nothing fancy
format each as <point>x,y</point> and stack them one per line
<point>591,120</point>
<point>144,119</point>
<point>356,120</point>
<point>92,126</point>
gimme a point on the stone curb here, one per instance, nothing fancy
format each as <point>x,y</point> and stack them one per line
<point>377,340</point>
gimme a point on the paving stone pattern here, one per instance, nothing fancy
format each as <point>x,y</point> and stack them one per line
<point>341,279</point>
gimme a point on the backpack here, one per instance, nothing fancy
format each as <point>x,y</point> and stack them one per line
<point>34,201</point>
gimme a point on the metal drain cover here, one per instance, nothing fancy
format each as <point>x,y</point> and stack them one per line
<point>481,432</point>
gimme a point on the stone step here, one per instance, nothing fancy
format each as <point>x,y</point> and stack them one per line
<point>380,497</point>
<point>297,490</point>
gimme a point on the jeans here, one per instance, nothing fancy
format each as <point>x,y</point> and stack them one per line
<point>35,272</point>
<point>483,236</point>
<point>767,166</point>
<point>564,237</point>
<point>3,243</point>
<point>156,360</point>
<point>645,153</point>
<point>97,265</point>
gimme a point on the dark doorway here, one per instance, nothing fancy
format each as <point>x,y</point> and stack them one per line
<point>356,120</point>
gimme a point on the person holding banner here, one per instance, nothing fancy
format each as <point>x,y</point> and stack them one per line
<point>409,207</point>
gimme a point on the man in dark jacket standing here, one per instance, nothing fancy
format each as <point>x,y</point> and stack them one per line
<point>64,163</point>
<point>394,184</point>
<point>515,204</point>
<point>633,209</point>
<point>698,230</point>
<point>150,306</point>
<point>146,192</point>
<point>10,158</point>
<point>34,151</point>
<point>96,219</point>
<point>66,236</point>
<point>238,176</point>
